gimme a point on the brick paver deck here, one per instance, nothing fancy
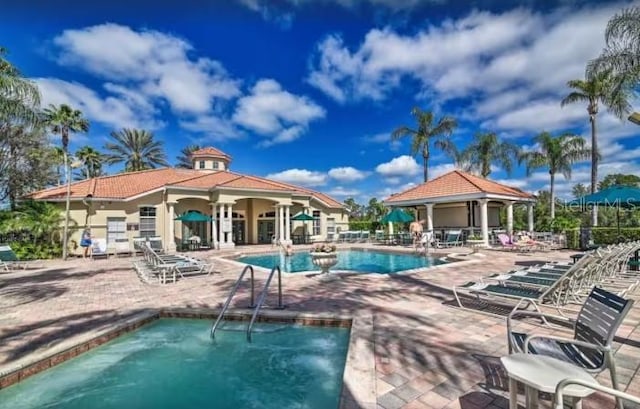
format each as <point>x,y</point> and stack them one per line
<point>427,353</point>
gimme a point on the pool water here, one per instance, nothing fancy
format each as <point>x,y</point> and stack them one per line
<point>354,260</point>
<point>172,363</point>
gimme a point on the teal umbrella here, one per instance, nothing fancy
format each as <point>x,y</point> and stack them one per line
<point>397,215</point>
<point>192,216</point>
<point>626,197</point>
<point>304,218</point>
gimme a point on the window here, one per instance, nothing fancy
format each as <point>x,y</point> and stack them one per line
<point>201,164</point>
<point>116,229</point>
<point>215,164</point>
<point>316,222</point>
<point>147,221</point>
<point>331,227</point>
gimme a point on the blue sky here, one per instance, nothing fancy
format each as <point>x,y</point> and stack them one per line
<point>309,91</point>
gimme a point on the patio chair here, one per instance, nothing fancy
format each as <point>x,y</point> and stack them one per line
<point>364,236</point>
<point>507,244</point>
<point>379,236</point>
<point>99,248</point>
<point>452,238</point>
<point>593,331</point>
<point>9,259</point>
<point>122,248</point>
<point>138,244</point>
<point>156,244</point>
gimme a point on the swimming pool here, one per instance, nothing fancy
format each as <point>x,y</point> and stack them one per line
<point>354,260</point>
<point>172,363</point>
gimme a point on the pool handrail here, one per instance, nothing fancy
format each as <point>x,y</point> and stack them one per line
<point>214,327</point>
<point>263,296</point>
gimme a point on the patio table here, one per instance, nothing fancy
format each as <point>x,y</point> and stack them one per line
<point>543,373</point>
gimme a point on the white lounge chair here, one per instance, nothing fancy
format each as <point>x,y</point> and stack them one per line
<point>99,248</point>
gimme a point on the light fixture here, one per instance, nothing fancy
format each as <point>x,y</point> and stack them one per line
<point>635,118</point>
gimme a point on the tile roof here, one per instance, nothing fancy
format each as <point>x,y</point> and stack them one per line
<point>209,151</point>
<point>127,185</point>
<point>454,183</point>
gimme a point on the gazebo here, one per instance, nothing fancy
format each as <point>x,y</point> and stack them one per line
<point>463,201</point>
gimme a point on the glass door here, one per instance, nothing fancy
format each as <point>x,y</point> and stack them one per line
<point>265,231</point>
<point>237,232</point>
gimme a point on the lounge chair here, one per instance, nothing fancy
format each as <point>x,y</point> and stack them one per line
<point>364,236</point>
<point>452,238</point>
<point>99,248</point>
<point>9,259</point>
<point>122,248</point>
<point>593,331</point>
<point>156,244</point>
<point>507,244</point>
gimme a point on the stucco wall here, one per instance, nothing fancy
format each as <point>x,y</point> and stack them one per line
<point>97,214</point>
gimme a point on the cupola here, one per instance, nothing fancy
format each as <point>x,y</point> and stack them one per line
<point>210,159</point>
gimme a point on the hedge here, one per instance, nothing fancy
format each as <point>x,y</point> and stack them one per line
<point>366,225</point>
<point>603,236</point>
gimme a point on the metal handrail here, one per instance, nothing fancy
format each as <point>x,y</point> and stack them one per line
<point>231,294</point>
<point>263,296</point>
<point>619,395</point>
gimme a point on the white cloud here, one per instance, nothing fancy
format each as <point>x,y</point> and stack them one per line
<point>273,112</point>
<point>157,65</point>
<point>110,111</point>
<point>347,174</point>
<point>404,165</point>
<point>340,191</point>
<point>441,169</point>
<point>537,116</point>
<point>388,191</point>
<point>213,128</point>
<point>300,177</point>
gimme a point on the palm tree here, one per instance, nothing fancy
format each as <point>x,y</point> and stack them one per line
<point>486,149</point>
<point>137,149</point>
<point>621,55</point>
<point>184,159</point>
<point>91,160</point>
<point>597,88</point>
<point>64,120</point>
<point>57,159</point>
<point>556,153</point>
<point>19,97</point>
<point>428,129</point>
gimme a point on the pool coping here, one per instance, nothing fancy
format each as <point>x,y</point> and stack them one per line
<point>454,257</point>
<point>358,381</point>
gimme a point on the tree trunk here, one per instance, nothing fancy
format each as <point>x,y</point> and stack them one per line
<point>65,232</point>
<point>594,167</point>
<point>553,195</point>
<point>425,165</point>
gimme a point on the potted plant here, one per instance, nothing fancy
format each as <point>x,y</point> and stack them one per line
<point>325,256</point>
<point>475,241</point>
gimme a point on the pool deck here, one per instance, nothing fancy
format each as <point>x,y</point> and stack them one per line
<point>427,353</point>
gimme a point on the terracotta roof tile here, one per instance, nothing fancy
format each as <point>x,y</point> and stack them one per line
<point>209,151</point>
<point>126,185</point>
<point>454,183</point>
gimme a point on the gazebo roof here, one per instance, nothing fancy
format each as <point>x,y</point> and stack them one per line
<point>458,185</point>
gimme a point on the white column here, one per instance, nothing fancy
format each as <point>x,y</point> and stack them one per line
<point>484,221</point>
<point>281,233</point>
<point>171,246</point>
<point>390,225</point>
<point>214,227</point>
<point>429,207</point>
<point>509,217</point>
<point>230,221</point>
<point>287,223</point>
<point>221,241</point>
<point>530,217</point>
<point>276,223</point>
